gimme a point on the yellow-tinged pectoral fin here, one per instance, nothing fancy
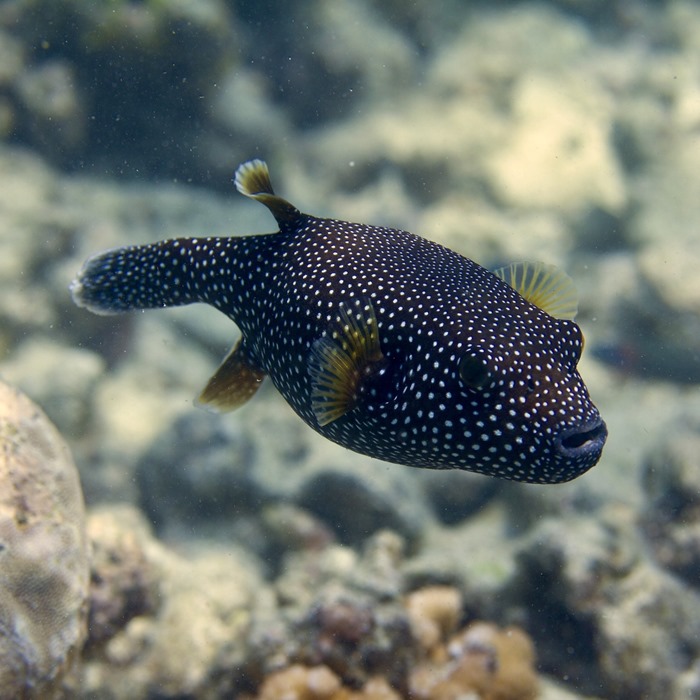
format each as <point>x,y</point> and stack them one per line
<point>233,383</point>
<point>342,359</point>
<point>543,285</point>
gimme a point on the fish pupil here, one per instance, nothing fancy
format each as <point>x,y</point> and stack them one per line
<point>474,372</point>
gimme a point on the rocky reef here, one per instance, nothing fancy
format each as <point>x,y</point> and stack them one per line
<point>242,555</point>
<point>44,557</point>
<point>334,625</point>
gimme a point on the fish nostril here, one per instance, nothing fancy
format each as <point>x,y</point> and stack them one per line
<point>587,438</point>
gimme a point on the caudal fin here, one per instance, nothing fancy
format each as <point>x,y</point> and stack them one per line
<point>169,273</point>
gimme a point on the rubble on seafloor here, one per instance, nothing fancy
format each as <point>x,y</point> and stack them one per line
<point>482,661</point>
<point>582,604</point>
<point>342,641</point>
<point>257,566</point>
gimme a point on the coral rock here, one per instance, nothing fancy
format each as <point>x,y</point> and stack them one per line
<point>43,552</point>
<point>300,683</point>
<point>124,583</point>
<point>434,612</point>
<point>494,664</point>
<point>320,683</point>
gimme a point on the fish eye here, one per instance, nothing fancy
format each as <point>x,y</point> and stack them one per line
<point>474,371</point>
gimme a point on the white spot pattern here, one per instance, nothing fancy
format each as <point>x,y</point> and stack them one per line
<point>531,420</point>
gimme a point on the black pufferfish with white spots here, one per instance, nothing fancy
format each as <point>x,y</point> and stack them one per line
<point>382,341</point>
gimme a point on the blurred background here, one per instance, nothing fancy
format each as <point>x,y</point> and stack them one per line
<point>565,131</point>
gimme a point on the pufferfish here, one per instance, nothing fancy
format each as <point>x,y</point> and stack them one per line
<point>382,341</point>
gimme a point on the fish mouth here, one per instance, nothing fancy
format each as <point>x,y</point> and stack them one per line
<point>583,441</point>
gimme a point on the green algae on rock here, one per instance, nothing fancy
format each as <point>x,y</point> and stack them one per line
<point>43,552</point>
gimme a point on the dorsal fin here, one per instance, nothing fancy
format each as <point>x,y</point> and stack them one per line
<point>253,180</point>
<point>545,286</point>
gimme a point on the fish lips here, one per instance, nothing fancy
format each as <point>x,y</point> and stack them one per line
<point>582,443</point>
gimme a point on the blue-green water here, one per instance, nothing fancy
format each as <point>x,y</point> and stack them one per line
<point>243,544</point>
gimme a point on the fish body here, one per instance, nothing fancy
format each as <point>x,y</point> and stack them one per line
<point>382,341</point>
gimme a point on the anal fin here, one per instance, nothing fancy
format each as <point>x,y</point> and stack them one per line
<point>234,382</point>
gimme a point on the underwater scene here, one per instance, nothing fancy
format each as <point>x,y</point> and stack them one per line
<point>464,461</point>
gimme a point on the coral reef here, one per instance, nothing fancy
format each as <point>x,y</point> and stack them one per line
<point>671,519</point>
<point>162,618</point>
<point>481,660</point>
<point>272,560</point>
<point>624,626</point>
<point>331,628</point>
<point>492,664</point>
<point>434,612</point>
<point>123,582</point>
<point>43,552</point>
<point>211,471</point>
<point>319,683</point>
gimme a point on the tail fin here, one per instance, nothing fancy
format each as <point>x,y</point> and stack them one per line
<point>169,273</point>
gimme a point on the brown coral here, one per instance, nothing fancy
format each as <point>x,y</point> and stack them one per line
<point>339,655</point>
<point>434,612</point>
<point>495,664</point>
<point>299,682</point>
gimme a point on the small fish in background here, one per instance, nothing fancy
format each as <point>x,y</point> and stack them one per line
<point>654,343</point>
<point>383,342</point>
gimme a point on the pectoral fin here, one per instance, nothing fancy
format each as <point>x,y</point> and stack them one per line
<point>236,380</point>
<point>343,359</point>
